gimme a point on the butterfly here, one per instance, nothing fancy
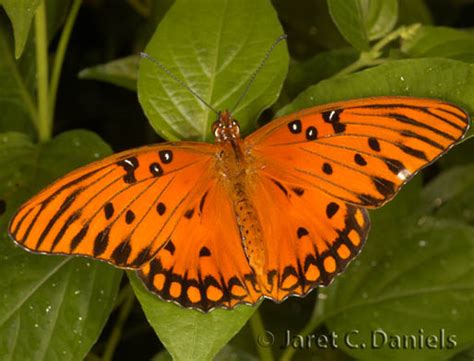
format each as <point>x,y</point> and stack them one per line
<point>272,215</point>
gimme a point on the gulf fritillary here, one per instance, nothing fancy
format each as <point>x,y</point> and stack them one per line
<point>272,215</point>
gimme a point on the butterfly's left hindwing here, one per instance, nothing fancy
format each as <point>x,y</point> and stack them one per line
<point>118,209</point>
<point>310,239</point>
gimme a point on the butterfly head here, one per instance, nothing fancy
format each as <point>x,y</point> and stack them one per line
<point>226,128</point>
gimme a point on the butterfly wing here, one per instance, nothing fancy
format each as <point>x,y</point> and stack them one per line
<point>118,209</point>
<point>360,151</point>
<point>203,265</point>
<point>310,242</point>
<point>322,165</point>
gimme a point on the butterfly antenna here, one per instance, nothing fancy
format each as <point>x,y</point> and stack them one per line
<point>254,74</point>
<point>178,80</point>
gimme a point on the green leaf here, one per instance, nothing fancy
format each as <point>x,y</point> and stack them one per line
<point>361,21</point>
<point>209,47</point>
<point>122,72</point>
<point>52,307</point>
<point>190,334</point>
<point>21,13</point>
<point>430,41</point>
<point>412,284</point>
<point>446,79</point>
<point>414,11</point>
<point>17,80</point>
<point>450,195</point>
<point>323,65</point>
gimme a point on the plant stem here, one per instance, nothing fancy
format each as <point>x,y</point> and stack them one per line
<point>60,53</point>
<point>372,57</point>
<point>258,329</point>
<point>116,334</point>
<point>41,42</point>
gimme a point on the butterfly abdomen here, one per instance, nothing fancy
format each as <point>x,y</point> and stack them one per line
<point>234,167</point>
<point>249,227</point>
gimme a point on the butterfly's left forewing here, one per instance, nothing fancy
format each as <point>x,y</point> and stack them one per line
<point>360,151</point>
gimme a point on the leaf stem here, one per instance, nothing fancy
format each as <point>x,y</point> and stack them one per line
<point>41,42</point>
<point>116,333</point>
<point>372,56</point>
<point>258,329</point>
<point>60,53</point>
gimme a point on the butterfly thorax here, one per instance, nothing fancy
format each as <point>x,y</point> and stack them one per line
<point>236,170</point>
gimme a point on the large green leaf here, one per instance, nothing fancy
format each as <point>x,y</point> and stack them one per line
<point>190,334</point>
<point>52,307</point>
<point>434,78</point>
<point>208,46</point>
<point>431,41</point>
<point>409,294</point>
<point>361,21</point>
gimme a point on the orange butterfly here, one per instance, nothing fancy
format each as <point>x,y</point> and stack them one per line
<point>272,215</point>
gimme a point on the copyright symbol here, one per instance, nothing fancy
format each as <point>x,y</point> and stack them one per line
<point>266,339</point>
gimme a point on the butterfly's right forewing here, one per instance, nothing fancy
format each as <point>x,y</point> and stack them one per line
<point>118,209</point>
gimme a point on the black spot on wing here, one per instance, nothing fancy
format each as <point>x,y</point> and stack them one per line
<point>301,232</point>
<point>156,170</point>
<point>161,208</point>
<point>298,191</point>
<point>333,117</point>
<point>129,165</point>
<point>339,127</point>
<point>166,156</point>
<point>108,210</point>
<point>204,252</point>
<point>129,216</point>
<point>360,160</point>
<point>101,242</point>
<point>374,144</point>
<point>327,168</point>
<point>331,209</point>
<point>170,247</point>
<point>189,213</point>
<point>295,126</point>
<point>121,253</point>
<point>311,133</point>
